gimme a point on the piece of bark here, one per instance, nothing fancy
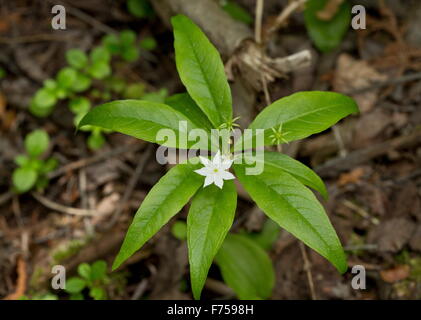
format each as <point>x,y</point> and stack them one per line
<point>233,40</point>
<point>226,33</point>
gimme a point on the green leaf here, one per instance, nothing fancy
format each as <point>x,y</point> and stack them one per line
<point>21,160</point>
<point>84,271</point>
<point>98,293</point>
<point>130,53</point>
<point>82,83</point>
<point>295,208</point>
<point>100,54</point>
<point>165,199</point>
<point>50,84</point>
<point>267,237</point>
<point>96,140</point>
<point>76,58</point>
<point>303,114</point>
<point>127,37</point>
<point>179,230</point>
<point>140,8</point>
<point>45,98</point>
<point>49,165</point>
<point>134,91</point>
<point>66,77</point>
<point>327,35</point>
<point>99,69</point>
<point>76,296</point>
<point>201,70</point>
<point>24,179</point>
<point>210,217</point>
<point>236,12</point>
<point>148,43</point>
<point>184,104</point>
<point>36,143</point>
<point>80,105</point>
<point>158,96</point>
<point>140,119</point>
<point>246,268</point>
<point>295,168</point>
<point>75,285</point>
<point>111,43</point>
<point>98,270</point>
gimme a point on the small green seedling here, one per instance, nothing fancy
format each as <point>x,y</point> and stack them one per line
<point>245,265</point>
<point>86,70</point>
<point>32,170</point>
<point>148,43</point>
<point>280,190</point>
<point>92,277</point>
<point>327,34</point>
<point>140,8</point>
<point>123,45</point>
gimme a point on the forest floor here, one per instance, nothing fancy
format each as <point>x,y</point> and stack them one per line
<point>370,162</point>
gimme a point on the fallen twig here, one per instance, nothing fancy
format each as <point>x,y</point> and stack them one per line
<point>284,15</point>
<point>61,208</point>
<point>307,268</point>
<point>96,158</point>
<point>339,164</point>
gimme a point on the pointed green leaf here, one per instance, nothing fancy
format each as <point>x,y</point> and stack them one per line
<point>303,114</point>
<point>246,268</point>
<point>210,217</point>
<point>327,35</point>
<point>184,104</point>
<point>140,119</point>
<point>201,70</point>
<point>295,168</point>
<point>165,199</point>
<point>295,208</point>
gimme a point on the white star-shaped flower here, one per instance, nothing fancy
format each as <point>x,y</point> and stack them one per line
<point>215,170</point>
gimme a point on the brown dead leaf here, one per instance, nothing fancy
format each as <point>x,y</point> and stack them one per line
<point>395,274</point>
<point>21,282</point>
<point>7,118</point>
<point>352,74</point>
<point>106,207</point>
<point>353,176</point>
<point>330,10</point>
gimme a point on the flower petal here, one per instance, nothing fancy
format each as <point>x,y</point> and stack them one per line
<point>217,159</point>
<point>219,182</point>
<point>226,164</point>
<point>205,161</point>
<point>208,180</point>
<point>226,175</point>
<point>203,171</point>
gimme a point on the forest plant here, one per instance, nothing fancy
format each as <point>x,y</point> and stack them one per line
<point>92,277</point>
<point>327,31</point>
<point>244,264</point>
<point>32,170</point>
<point>280,190</point>
<point>82,71</point>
